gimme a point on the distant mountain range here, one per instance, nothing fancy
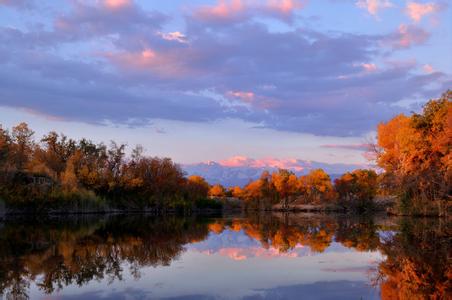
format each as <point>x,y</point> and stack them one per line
<point>240,170</point>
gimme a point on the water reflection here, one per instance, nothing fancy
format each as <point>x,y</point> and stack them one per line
<point>418,261</point>
<point>256,257</point>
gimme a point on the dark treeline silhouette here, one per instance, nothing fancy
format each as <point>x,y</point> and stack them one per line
<point>54,254</point>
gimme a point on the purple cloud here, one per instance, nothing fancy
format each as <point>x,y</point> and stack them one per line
<point>406,36</point>
<point>20,4</point>
<point>227,11</point>
<point>125,67</point>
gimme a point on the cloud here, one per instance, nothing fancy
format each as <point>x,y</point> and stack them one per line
<point>174,36</point>
<point>223,10</point>
<point>428,69</point>
<point>244,253</point>
<point>226,11</point>
<point>416,11</point>
<point>88,20</point>
<point>358,147</point>
<point>97,65</point>
<point>244,243</point>
<point>242,161</point>
<point>243,96</point>
<point>83,92</point>
<point>407,36</point>
<point>323,290</point>
<point>283,8</point>
<point>19,4</point>
<point>148,60</point>
<point>297,165</point>
<point>117,4</point>
<point>374,6</point>
<point>369,67</point>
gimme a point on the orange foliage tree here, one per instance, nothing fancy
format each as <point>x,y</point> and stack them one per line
<point>316,186</point>
<point>357,188</point>
<point>415,153</point>
<point>58,172</point>
<point>217,190</point>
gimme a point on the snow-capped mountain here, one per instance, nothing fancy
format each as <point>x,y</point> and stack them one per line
<point>240,170</point>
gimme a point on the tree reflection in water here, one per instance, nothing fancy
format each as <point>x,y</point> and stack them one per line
<point>79,251</point>
<point>56,253</point>
<point>418,261</point>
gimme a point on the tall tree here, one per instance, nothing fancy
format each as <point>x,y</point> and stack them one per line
<point>415,152</point>
<point>56,152</point>
<point>22,147</point>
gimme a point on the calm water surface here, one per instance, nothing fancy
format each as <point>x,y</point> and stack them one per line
<point>274,256</point>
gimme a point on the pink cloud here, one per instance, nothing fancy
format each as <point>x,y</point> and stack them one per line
<point>407,36</point>
<point>233,253</point>
<point>231,10</point>
<point>366,68</point>
<point>43,114</point>
<point>148,54</point>
<point>243,161</point>
<point>374,6</point>
<point>165,64</point>
<point>237,161</point>
<point>174,36</point>
<point>369,67</point>
<point>284,6</point>
<point>428,68</point>
<point>250,98</point>
<point>416,11</point>
<point>247,97</point>
<point>222,10</point>
<point>239,254</point>
<point>117,4</point>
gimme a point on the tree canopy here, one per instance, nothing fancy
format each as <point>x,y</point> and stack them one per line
<point>415,154</point>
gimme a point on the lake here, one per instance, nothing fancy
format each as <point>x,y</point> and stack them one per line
<point>260,256</point>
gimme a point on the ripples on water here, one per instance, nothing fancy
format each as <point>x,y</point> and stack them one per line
<point>272,256</point>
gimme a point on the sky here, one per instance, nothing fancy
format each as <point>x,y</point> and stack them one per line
<point>214,80</point>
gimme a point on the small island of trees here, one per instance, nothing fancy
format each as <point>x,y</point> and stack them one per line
<point>57,173</point>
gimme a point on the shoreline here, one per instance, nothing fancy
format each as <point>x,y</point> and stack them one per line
<point>315,210</point>
<point>379,207</point>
